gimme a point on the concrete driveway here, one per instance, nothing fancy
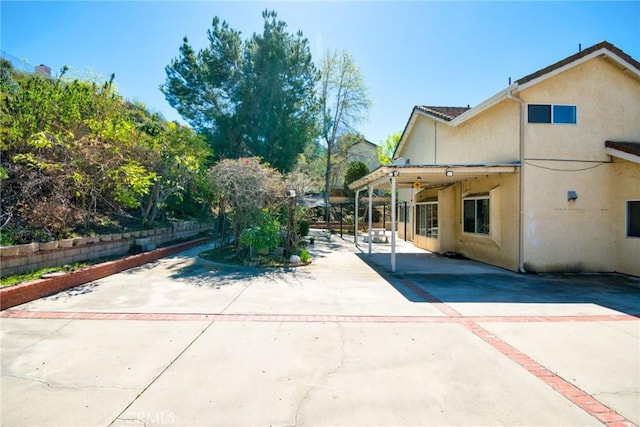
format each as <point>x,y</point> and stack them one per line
<point>340,342</point>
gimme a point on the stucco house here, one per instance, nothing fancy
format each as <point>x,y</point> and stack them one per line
<point>543,176</point>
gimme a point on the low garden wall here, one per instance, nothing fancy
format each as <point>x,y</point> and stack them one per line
<point>34,256</point>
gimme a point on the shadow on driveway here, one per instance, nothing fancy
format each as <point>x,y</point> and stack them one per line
<point>466,281</point>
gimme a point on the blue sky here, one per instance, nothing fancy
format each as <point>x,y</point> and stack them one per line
<point>417,52</point>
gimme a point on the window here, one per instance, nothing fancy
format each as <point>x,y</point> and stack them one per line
<point>539,113</point>
<point>427,219</point>
<point>546,113</point>
<point>403,212</point>
<point>633,218</point>
<point>564,114</point>
<point>476,214</point>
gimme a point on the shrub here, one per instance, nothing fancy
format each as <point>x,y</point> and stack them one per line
<point>305,256</point>
<point>303,228</point>
<point>264,235</point>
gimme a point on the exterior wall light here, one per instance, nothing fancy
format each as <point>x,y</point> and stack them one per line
<point>449,172</point>
<point>571,195</point>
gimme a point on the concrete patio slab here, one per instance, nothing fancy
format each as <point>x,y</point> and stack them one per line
<point>65,372</point>
<point>595,357</point>
<point>350,375</point>
<point>341,342</point>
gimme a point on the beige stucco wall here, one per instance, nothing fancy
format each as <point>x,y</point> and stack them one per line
<point>626,176</point>
<point>489,138</point>
<point>558,235</point>
<point>581,235</point>
<point>607,107</point>
<point>419,148</point>
<point>501,246</point>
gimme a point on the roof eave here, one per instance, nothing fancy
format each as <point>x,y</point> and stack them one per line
<point>600,52</point>
<point>623,155</point>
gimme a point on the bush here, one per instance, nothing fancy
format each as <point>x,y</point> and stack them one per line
<point>303,228</point>
<point>264,235</point>
<point>305,256</point>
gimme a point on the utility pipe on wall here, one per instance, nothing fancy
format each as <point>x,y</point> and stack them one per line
<point>523,105</point>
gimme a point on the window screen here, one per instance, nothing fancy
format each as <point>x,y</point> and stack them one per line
<point>539,113</point>
<point>564,114</point>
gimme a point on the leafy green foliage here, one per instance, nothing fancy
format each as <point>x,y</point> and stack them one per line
<point>355,171</point>
<point>265,234</point>
<point>243,188</point>
<point>250,98</point>
<point>73,151</point>
<point>388,148</point>
<point>344,102</point>
<point>303,228</point>
<point>305,256</point>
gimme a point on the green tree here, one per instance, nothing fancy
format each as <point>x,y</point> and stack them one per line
<point>75,152</point>
<point>251,98</point>
<point>388,147</point>
<point>344,102</point>
<point>355,171</point>
<point>243,188</point>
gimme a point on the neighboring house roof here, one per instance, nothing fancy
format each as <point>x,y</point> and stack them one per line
<point>444,113</point>
<point>454,116</point>
<point>624,150</point>
<point>364,140</point>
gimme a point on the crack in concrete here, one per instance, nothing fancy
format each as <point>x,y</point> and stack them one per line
<point>328,374</point>
<point>46,337</point>
<point>187,347</point>
<point>70,387</point>
<point>614,393</point>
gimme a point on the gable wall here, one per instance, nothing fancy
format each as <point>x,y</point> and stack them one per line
<point>492,137</point>
<point>489,138</point>
<point>607,107</point>
<point>585,234</point>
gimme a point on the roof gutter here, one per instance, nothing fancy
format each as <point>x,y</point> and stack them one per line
<point>519,100</point>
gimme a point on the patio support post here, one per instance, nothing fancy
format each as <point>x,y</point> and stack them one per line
<point>393,221</point>
<point>370,215</point>
<point>355,222</point>
<point>405,221</point>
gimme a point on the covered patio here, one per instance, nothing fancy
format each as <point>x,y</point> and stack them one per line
<point>417,177</point>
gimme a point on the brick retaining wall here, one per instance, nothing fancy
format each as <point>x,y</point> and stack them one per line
<point>11,296</point>
<point>34,256</point>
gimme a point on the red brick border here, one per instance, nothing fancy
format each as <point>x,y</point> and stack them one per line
<point>577,396</point>
<point>11,296</point>
<point>319,318</point>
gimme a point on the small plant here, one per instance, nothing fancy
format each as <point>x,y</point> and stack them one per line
<point>303,228</point>
<point>265,235</point>
<point>305,256</point>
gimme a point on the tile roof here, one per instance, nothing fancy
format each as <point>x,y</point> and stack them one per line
<point>576,56</point>
<point>625,147</point>
<point>444,113</point>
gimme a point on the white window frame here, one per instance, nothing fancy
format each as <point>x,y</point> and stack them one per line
<point>475,216</point>
<point>553,122</point>
<point>626,216</point>
<point>418,222</point>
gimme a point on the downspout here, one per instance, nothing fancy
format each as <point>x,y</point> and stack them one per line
<point>519,100</point>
